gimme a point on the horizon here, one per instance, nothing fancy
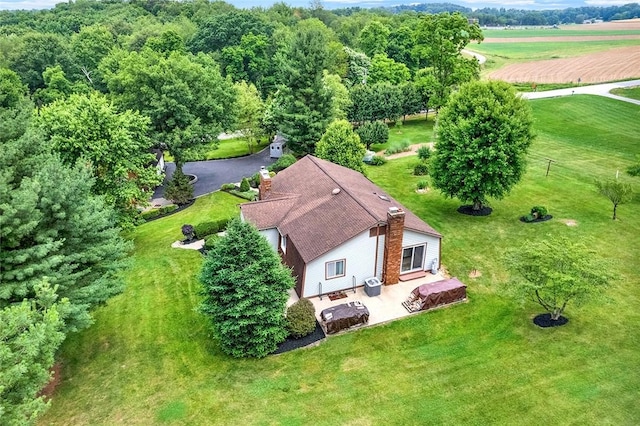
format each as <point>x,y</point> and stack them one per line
<point>367,4</point>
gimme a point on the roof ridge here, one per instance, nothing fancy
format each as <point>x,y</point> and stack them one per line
<point>356,199</point>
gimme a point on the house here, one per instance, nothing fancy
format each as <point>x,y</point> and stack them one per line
<point>335,228</point>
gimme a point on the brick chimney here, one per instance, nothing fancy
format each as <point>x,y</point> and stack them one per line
<point>265,183</point>
<point>393,246</point>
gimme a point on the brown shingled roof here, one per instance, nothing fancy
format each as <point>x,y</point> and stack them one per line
<point>303,206</point>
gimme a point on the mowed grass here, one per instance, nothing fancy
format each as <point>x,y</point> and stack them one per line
<point>415,130</point>
<point>227,148</point>
<point>633,92</point>
<point>150,358</point>
<point>536,51</point>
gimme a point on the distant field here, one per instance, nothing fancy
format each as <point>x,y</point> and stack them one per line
<point>562,32</point>
<point>525,51</point>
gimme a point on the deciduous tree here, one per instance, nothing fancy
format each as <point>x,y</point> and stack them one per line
<point>245,292</point>
<point>617,191</point>
<point>555,271</point>
<point>116,144</point>
<point>341,145</point>
<point>386,70</point>
<point>185,96</point>
<point>439,40</point>
<point>483,135</point>
<point>374,38</point>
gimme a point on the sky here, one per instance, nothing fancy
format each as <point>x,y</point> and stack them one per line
<point>333,4</point>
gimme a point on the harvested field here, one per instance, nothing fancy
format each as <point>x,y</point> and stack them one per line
<point>555,39</point>
<point>615,64</point>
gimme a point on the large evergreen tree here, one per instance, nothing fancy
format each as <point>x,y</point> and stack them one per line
<point>51,225</point>
<point>245,292</point>
<point>307,105</point>
<point>483,136</point>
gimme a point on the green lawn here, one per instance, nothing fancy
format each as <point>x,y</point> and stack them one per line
<point>413,131</point>
<point>228,148</point>
<point>150,358</point>
<point>632,92</point>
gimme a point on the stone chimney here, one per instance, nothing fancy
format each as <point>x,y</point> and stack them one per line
<point>265,183</point>
<point>393,246</point>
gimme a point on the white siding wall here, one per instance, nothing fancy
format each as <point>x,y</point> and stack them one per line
<point>380,256</point>
<point>359,253</point>
<point>411,238</point>
<point>271,235</point>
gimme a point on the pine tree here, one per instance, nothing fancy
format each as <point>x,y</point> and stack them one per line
<point>246,290</point>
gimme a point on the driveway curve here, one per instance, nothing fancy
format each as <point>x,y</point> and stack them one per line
<point>594,89</point>
<point>213,173</point>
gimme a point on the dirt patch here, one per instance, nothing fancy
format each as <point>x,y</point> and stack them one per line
<point>545,321</point>
<point>615,64</point>
<point>569,222</point>
<point>475,274</point>
<point>56,378</point>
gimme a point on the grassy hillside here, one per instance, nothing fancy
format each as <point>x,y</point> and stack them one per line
<point>150,359</point>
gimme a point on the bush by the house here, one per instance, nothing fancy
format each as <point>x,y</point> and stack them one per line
<point>424,153</point>
<point>421,169</point>
<point>373,132</point>
<point>248,195</point>
<point>178,189</point>
<point>222,224</point>
<point>228,186</point>
<point>301,318</point>
<point>244,185</point>
<point>150,214</point>
<point>397,148</point>
<point>209,240</point>
<point>377,160</point>
<point>254,180</point>
<point>281,163</point>
<point>206,228</point>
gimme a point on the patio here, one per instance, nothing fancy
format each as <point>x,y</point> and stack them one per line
<point>384,308</point>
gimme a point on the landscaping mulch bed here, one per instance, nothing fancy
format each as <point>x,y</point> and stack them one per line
<point>291,343</point>
<point>540,219</point>
<point>545,321</point>
<point>468,210</point>
<point>179,209</point>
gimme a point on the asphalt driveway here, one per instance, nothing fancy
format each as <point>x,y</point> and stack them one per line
<point>213,173</point>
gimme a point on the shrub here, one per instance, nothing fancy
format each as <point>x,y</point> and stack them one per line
<point>204,229</point>
<point>421,169</point>
<point>222,224</point>
<point>244,185</point>
<point>538,212</point>
<point>150,214</point>
<point>254,180</point>
<point>373,132</point>
<point>178,189</point>
<point>228,186</point>
<point>168,209</point>
<point>378,160</point>
<point>397,148</point>
<point>424,152</point>
<point>529,218</point>
<point>248,195</point>
<point>209,240</point>
<point>422,184</point>
<point>301,318</point>
<point>282,163</point>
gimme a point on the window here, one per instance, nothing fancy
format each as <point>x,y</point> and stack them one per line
<point>413,258</point>
<point>334,269</point>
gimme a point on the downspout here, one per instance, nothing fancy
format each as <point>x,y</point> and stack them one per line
<point>375,263</point>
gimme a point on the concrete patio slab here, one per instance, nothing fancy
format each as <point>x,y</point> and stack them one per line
<point>384,308</point>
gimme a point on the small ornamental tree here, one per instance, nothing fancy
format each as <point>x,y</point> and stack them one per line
<point>618,192</point>
<point>556,271</point>
<point>483,133</point>
<point>179,190</point>
<point>245,292</point>
<point>342,146</point>
<point>373,132</point>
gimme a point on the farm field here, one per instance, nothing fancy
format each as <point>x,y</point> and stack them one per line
<point>594,53</point>
<point>150,359</point>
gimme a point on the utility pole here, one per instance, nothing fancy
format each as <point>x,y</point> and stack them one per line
<point>549,165</point>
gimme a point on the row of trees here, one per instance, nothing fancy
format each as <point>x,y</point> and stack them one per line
<point>61,251</point>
